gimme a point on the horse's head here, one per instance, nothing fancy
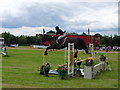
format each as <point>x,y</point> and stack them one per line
<point>45,38</point>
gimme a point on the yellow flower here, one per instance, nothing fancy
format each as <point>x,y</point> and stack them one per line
<point>89,58</point>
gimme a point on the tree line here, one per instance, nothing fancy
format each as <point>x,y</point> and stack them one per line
<point>35,40</point>
<point>21,40</point>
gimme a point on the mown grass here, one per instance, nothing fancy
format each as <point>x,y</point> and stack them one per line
<point>20,71</point>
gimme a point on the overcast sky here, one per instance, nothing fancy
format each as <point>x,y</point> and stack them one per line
<point>29,17</point>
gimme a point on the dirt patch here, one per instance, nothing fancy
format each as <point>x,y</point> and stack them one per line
<point>109,52</point>
<point>24,48</point>
<point>30,48</point>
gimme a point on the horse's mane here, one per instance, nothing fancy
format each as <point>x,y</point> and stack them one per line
<point>49,37</point>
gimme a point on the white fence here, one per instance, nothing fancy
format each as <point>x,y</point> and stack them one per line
<point>39,46</point>
<point>91,71</point>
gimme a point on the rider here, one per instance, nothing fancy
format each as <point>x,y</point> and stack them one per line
<point>60,32</point>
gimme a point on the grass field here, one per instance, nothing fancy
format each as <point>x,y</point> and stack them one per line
<point>20,71</point>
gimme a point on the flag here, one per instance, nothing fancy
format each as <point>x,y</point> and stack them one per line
<point>88,31</point>
<point>43,31</point>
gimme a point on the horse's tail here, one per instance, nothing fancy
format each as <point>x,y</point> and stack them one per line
<point>86,50</point>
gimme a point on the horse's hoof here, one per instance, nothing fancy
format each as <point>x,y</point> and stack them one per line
<point>45,53</point>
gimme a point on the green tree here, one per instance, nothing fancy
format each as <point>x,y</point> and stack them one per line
<point>116,40</point>
<point>108,40</point>
<point>73,33</point>
<point>83,33</point>
<point>22,40</point>
<point>98,35</point>
<point>9,38</point>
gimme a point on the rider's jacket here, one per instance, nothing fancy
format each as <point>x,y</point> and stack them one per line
<point>59,32</point>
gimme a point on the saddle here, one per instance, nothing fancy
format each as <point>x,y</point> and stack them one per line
<point>61,41</point>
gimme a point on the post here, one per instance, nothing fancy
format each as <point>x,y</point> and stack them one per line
<point>70,58</point>
<point>91,48</point>
<point>1,45</point>
<point>88,70</point>
<point>65,56</point>
<point>88,31</point>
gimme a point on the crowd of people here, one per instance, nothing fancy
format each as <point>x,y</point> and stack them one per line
<point>114,48</point>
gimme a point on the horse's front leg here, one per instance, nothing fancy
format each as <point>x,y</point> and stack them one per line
<point>45,53</point>
<point>86,50</point>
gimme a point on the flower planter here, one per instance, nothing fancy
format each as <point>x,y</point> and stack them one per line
<point>102,58</point>
<point>62,71</point>
<point>89,61</point>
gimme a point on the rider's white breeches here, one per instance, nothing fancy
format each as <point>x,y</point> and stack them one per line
<point>62,36</point>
